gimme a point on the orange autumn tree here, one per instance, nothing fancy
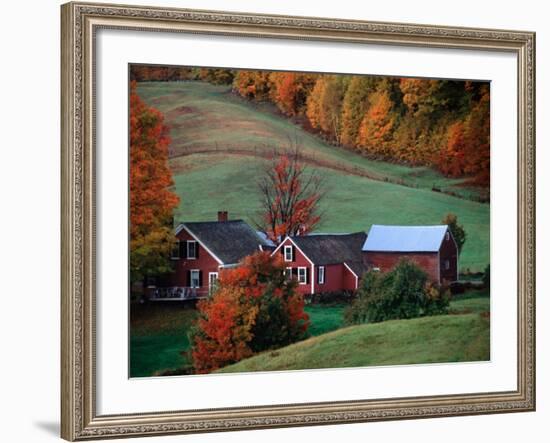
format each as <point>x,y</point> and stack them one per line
<point>354,106</point>
<point>289,91</point>
<point>254,85</point>
<point>478,155</point>
<point>376,129</point>
<point>452,157</point>
<point>420,96</point>
<point>324,105</point>
<point>254,308</point>
<point>290,197</point>
<point>467,151</point>
<point>152,203</point>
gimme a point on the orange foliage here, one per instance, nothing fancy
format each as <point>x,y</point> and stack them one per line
<point>254,308</point>
<point>324,105</point>
<point>467,151</point>
<point>403,119</point>
<point>252,84</point>
<point>375,131</point>
<point>478,138</point>
<point>452,156</point>
<point>418,94</point>
<point>354,106</point>
<point>151,201</point>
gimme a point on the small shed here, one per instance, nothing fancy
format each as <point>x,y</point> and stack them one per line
<point>432,248</point>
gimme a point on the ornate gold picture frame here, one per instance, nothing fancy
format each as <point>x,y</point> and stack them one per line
<point>80,23</point>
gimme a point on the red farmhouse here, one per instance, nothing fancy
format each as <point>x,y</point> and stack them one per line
<point>433,248</point>
<point>324,262</point>
<point>203,249</point>
<point>320,263</point>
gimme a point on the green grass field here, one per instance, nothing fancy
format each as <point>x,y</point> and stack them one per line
<point>324,318</point>
<point>447,338</point>
<point>211,182</point>
<point>158,339</point>
<point>471,302</point>
<point>205,117</point>
<point>159,342</point>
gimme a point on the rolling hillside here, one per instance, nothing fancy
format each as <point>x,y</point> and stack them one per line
<point>448,338</point>
<point>220,142</point>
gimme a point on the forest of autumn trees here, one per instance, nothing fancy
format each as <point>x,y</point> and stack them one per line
<point>439,123</point>
<point>151,201</point>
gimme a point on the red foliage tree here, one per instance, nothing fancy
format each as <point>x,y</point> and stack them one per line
<point>467,151</point>
<point>152,203</point>
<point>290,197</point>
<point>452,156</point>
<point>254,308</point>
<point>478,154</point>
<point>289,91</point>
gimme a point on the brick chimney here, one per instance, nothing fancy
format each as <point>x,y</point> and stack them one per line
<point>222,216</point>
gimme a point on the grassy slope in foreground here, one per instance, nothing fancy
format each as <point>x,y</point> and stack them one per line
<point>207,183</point>
<point>448,338</point>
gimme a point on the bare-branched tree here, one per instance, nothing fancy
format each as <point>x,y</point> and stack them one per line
<point>290,196</point>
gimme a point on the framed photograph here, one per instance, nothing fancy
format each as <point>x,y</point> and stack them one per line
<point>277,221</point>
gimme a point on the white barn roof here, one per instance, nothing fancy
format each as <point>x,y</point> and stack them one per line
<point>404,238</point>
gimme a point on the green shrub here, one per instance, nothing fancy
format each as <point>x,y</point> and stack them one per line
<point>358,311</point>
<point>401,293</point>
<point>330,298</point>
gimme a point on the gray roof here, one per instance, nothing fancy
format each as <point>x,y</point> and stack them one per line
<point>358,267</point>
<point>405,238</point>
<point>266,239</point>
<point>325,249</point>
<point>230,241</point>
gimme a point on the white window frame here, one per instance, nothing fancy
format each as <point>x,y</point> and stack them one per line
<point>210,285</point>
<point>321,273</point>
<point>198,273</point>
<point>304,269</point>
<point>287,248</point>
<point>176,249</point>
<point>447,264</point>
<point>194,250</point>
<point>288,272</point>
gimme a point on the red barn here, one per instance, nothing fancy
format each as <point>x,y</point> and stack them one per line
<point>203,248</point>
<point>433,248</point>
<point>324,262</point>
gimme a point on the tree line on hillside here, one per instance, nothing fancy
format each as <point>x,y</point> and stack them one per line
<point>440,123</point>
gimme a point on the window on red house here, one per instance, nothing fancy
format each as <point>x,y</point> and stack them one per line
<point>321,275</point>
<point>288,253</point>
<point>191,249</point>
<point>302,276</point>
<point>175,255</point>
<point>195,278</point>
